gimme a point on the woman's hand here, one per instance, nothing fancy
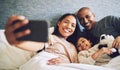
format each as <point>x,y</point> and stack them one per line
<point>116,43</point>
<point>12,37</point>
<point>10,28</point>
<point>54,61</point>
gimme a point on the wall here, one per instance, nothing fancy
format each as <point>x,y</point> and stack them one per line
<point>53,9</point>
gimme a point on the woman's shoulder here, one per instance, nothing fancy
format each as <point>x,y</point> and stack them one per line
<point>54,38</point>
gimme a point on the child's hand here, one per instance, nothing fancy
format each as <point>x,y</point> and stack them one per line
<point>113,50</point>
<point>105,50</point>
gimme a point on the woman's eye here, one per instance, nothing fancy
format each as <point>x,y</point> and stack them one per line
<point>73,25</point>
<point>65,21</point>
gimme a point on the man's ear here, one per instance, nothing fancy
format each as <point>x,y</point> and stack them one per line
<point>76,13</point>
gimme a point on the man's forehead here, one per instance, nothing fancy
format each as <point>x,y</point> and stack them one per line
<point>85,13</point>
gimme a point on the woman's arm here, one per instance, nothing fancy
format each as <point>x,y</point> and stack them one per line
<point>12,37</point>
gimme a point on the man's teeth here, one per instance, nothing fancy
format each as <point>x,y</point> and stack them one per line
<point>87,24</point>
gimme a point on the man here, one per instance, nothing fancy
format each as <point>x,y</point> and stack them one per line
<point>108,25</point>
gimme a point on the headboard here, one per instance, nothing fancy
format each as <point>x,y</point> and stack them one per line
<point>53,9</point>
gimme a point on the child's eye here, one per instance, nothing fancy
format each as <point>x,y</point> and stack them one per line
<point>78,45</point>
<point>83,41</point>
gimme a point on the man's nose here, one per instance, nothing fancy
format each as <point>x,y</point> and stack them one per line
<point>85,20</point>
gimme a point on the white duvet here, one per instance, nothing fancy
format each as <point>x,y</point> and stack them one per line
<point>39,62</point>
<point>12,58</point>
<point>114,63</point>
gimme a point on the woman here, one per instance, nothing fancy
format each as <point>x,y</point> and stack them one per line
<point>65,51</point>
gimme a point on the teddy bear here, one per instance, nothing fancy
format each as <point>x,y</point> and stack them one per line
<point>106,41</point>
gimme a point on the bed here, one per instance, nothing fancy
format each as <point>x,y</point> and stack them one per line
<point>12,58</point>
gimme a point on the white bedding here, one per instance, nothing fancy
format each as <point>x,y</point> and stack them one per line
<point>114,63</point>
<point>11,58</point>
<point>39,61</point>
<point>72,66</point>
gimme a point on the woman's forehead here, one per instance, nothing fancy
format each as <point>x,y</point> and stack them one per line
<point>70,18</point>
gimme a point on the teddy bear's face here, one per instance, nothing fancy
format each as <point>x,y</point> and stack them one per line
<point>106,40</point>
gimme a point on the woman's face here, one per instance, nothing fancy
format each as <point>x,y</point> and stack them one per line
<point>67,26</point>
<point>83,44</point>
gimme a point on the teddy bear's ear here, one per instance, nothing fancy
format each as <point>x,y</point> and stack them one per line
<point>102,36</point>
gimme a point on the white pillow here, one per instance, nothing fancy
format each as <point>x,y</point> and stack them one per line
<point>51,29</point>
<point>10,56</point>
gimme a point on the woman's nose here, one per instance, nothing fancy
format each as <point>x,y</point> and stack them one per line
<point>69,25</point>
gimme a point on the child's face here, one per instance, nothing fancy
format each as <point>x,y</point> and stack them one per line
<point>83,44</point>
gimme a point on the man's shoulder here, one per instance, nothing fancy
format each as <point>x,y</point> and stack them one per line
<point>109,17</point>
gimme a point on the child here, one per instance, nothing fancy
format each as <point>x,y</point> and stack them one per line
<point>83,44</point>
<point>92,55</point>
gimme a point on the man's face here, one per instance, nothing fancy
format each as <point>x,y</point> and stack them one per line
<point>86,18</point>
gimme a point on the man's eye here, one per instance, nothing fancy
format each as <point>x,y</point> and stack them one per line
<point>65,22</point>
<point>80,19</point>
<point>87,16</point>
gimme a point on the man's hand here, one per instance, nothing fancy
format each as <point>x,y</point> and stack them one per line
<point>116,43</point>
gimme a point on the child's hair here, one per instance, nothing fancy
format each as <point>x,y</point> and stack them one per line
<point>83,37</point>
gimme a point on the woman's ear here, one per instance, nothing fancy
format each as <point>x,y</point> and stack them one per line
<point>94,15</point>
<point>58,24</point>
